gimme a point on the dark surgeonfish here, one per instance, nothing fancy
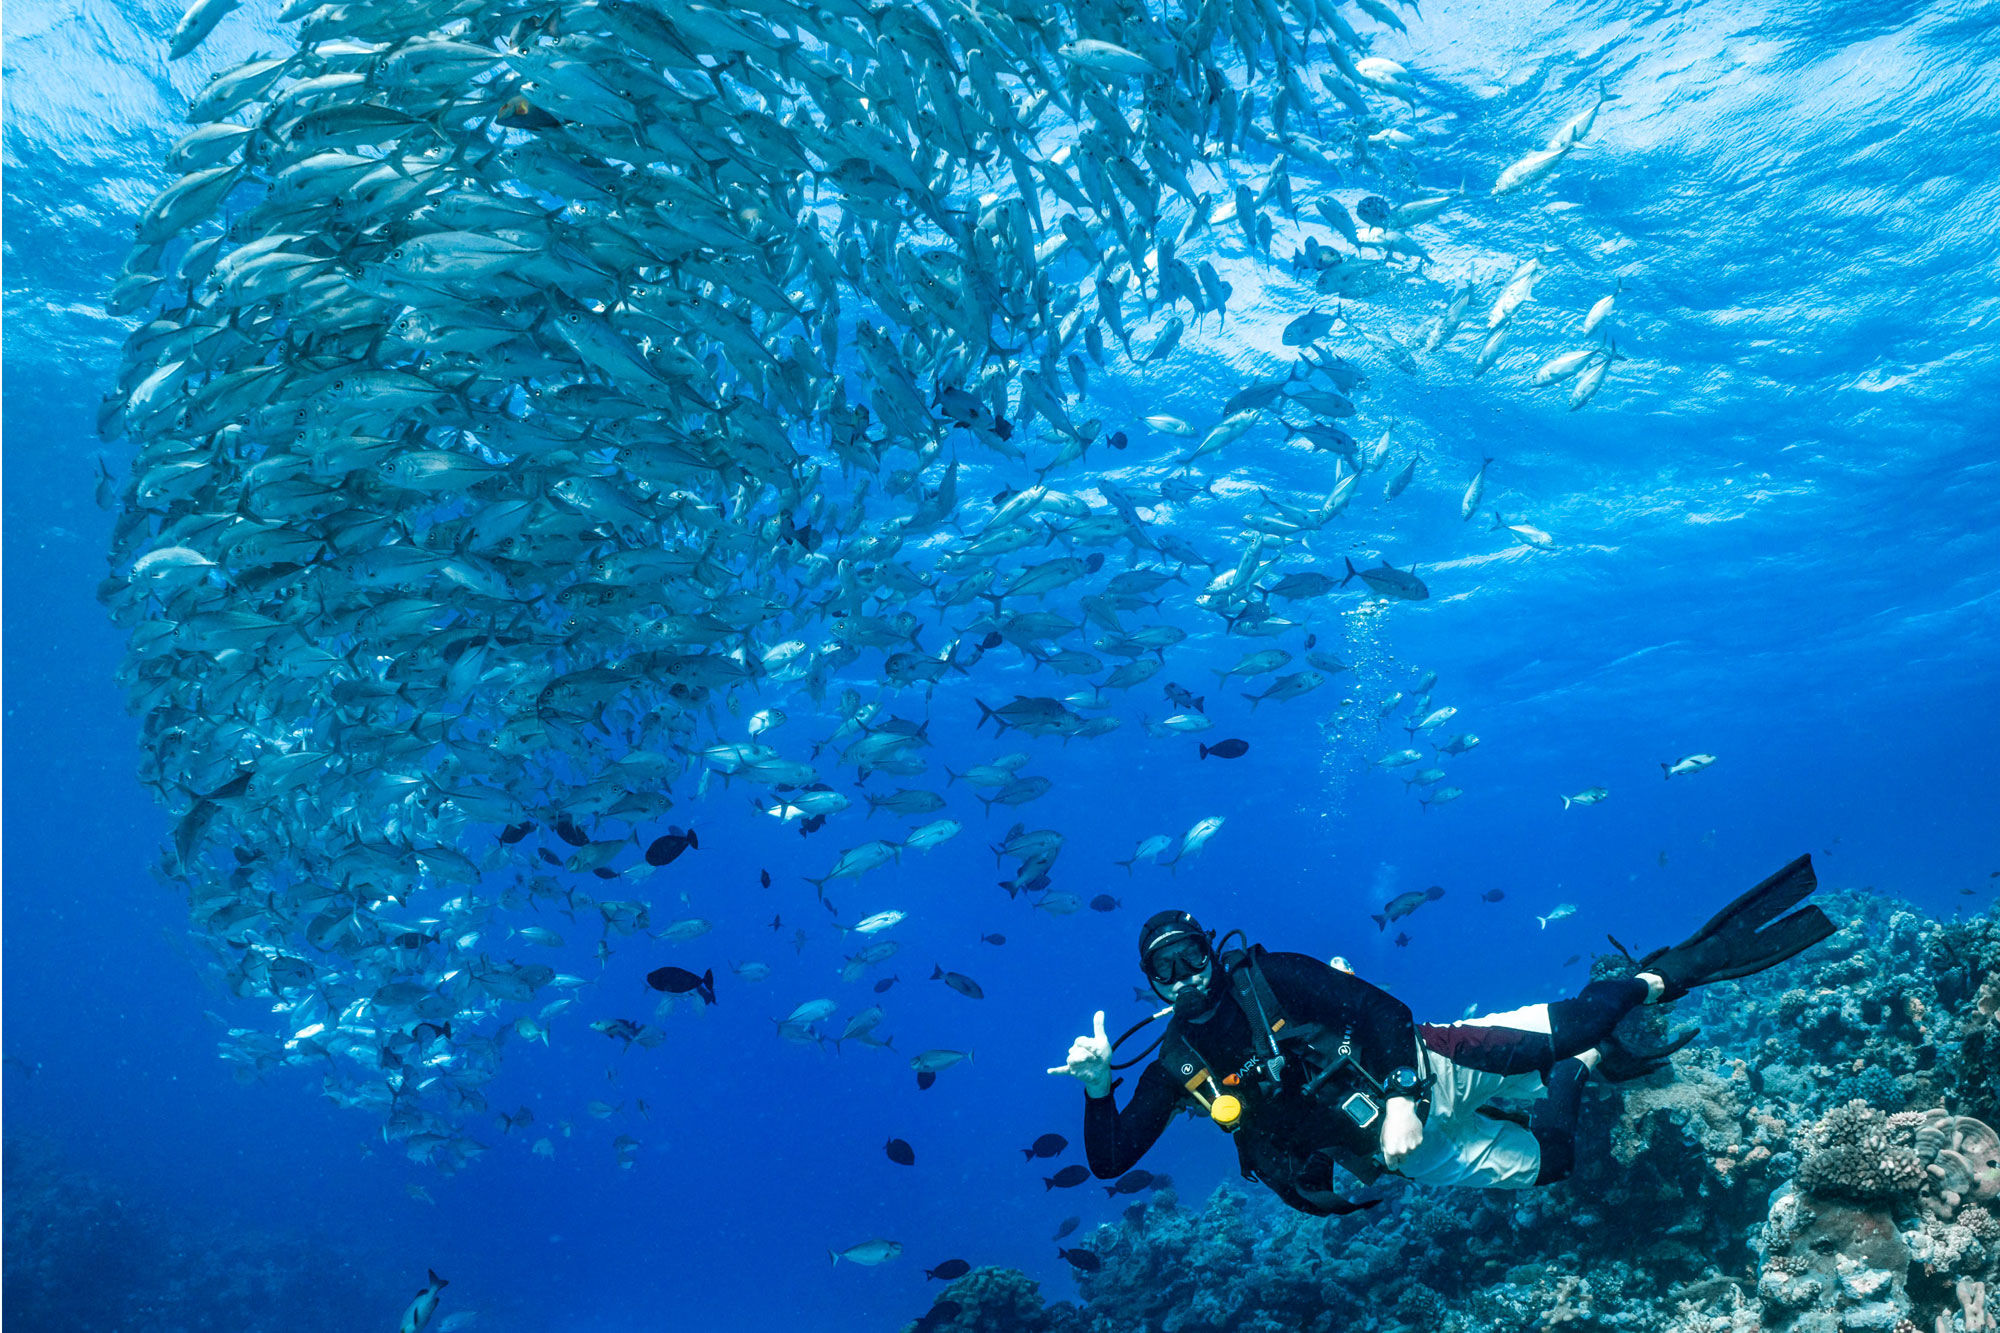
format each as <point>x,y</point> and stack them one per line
<point>959,982</point>
<point>667,848</point>
<point>679,981</point>
<point>1048,1145</point>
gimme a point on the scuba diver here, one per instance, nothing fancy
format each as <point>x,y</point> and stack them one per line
<point>1311,1068</point>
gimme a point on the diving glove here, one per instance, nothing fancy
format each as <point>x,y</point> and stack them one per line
<point>1090,1061</point>
<point>1745,937</point>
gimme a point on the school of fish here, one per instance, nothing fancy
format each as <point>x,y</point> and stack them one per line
<point>528,403</point>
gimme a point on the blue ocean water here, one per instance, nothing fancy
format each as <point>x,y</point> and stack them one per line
<point>1774,543</point>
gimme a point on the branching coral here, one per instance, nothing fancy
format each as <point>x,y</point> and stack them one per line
<point>1851,1154</point>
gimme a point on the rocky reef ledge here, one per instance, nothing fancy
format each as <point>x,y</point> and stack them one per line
<point>1821,1160</point>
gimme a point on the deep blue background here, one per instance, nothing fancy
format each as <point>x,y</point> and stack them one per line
<point>1776,544</point>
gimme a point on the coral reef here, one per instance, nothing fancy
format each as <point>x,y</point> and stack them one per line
<point>1819,1162</point>
<point>81,1256</point>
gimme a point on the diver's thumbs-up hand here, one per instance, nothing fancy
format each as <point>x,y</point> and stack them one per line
<point>1090,1060</point>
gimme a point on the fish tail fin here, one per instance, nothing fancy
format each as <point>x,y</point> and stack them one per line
<point>1544,922</point>
<point>833,1258</point>
<point>1666,771</point>
<point>437,1281</point>
<point>1254,700</point>
<point>1566,802</point>
<point>1204,749</point>
<point>1351,572</point>
<point>1380,919</point>
<point>1028,1153</point>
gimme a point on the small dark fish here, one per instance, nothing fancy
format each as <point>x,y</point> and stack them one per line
<point>1069,1225</point>
<point>1573,960</point>
<point>764,878</point>
<point>667,848</point>
<point>1067,1178</point>
<point>515,832</point>
<point>992,939</point>
<point>959,982</point>
<point>1048,1145</point>
<point>567,830</point>
<point>812,825</point>
<point>1402,939</point>
<point>799,940</point>
<point>1184,699</point>
<point>1492,895</point>
<point>548,856</point>
<point>776,921</point>
<point>1229,749</point>
<point>828,904</point>
<point>885,983</point>
<point>604,872</point>
<point>900,1152</point>
<point>679,981</point>
<point>924,1080</point>
<point>1129,1183</point>
<point>1966,892</point>
<point>1374,210</point>
<point>1117,440</point>
<point>991,641</point>
<point>1403,904</point>
<point>938,1315</point>
<point>1104,902</point>
<point>1081,1260</point>
<point>949,1269</point>
<point>1312,642</point>
<point>1663,860</point>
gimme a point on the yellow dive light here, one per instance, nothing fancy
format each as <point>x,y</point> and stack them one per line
<point>1226,1111</point>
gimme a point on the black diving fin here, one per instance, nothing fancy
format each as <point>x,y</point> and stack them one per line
<point>1745,937</point>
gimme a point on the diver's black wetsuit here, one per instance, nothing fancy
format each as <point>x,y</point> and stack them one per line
<point>1385,1038</point>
